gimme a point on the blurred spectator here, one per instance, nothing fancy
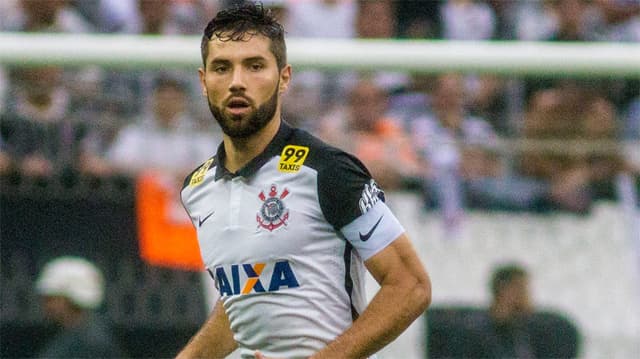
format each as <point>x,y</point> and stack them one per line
<point>509,311</point>
<point>364,129</point>
<point>584,20</point>
<point>418,19</point>
<point>123,91</point>
<point>619,20</point>
<point>376,19</point>
<point>515,330</point>
<point>506,13</point>
<point>476,20</point>
<point>574,21</point>
<point>8,11</point>
<point>41,135</point>
<point>319,89</point>
<point>72,291</point>
<point>467,20</point>
<point>509,327</point>
<point>166,138</point>
<point>456,146</point>
<point>166,17</point>
<point>534,20</point>
<point>106,16</point>
<point>323,18</point>
<point>131,16</point>
<point>44,16</point>
<point>414,100</point>
<point>570,112</point>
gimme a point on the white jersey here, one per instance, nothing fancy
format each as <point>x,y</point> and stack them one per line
<point>285,239</point>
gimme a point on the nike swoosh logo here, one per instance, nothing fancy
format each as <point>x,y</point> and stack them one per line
<point>365,237</point>
<point>201,220</point>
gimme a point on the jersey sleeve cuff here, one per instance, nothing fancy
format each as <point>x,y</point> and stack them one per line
<point>373,231</point>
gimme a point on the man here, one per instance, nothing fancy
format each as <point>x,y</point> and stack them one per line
<point>72,288</point>
<point>507,333</point>
<point>287,224</point>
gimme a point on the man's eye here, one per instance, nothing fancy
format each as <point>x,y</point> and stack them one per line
<point>256,67</point>
<point>220,69</point>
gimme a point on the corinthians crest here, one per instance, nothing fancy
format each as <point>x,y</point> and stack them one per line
<point>273,212</point>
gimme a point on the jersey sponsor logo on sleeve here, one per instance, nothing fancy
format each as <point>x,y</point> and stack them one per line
<point>198,176</point>
<point>246,278</point>
<point>370,196</point>
<point>273,213</point>
<point>292,158</point>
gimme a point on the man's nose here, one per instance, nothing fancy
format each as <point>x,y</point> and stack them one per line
<point>237,80</point>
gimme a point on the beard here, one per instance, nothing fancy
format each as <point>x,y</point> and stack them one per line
<point>244,126</point>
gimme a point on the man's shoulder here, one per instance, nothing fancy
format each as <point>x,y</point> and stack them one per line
<point>197,175</point>
<point>321,155</point>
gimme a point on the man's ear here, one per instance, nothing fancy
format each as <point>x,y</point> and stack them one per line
<point>285,78</point>
<point>203,86</point>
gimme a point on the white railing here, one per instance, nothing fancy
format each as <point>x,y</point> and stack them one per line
<point>504,57</point>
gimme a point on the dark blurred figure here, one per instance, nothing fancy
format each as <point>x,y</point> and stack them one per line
<point>72,289</point>
<point>509,328</point>
<point>509,312</point>
<point>515,329</point>
<point>418,19</point>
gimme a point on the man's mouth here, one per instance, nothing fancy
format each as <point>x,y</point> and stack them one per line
<point>238,105</point>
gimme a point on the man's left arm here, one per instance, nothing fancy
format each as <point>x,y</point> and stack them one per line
<point>405,293</point>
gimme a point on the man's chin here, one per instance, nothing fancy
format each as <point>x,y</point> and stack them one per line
<point>239,128</point>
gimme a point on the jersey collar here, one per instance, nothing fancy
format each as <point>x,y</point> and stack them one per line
<point>273,149</point>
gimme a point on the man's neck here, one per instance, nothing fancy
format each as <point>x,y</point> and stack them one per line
<point>240,151</point>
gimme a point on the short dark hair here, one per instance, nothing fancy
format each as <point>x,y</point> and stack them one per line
<point>504,275</point>
<point>240,21</point>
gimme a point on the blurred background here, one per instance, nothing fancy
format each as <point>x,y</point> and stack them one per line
<point>535,174</point>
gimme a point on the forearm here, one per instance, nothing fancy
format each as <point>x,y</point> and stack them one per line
<point>213,340</point>
<point>390,312</point>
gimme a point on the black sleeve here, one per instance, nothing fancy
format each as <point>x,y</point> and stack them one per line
<point>346,189</point>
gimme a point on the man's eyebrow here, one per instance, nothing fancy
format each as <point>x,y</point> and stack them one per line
<point>219,62</point>
<point>254,58</point>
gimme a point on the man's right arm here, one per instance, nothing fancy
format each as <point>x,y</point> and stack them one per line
<point>213,340</point>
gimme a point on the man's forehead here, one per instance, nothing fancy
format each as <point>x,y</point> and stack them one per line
<point>248,45</point>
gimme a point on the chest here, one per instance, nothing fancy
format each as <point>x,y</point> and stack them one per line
<point>271,216</point>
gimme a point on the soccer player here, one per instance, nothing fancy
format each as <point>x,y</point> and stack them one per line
<point>287,224</point>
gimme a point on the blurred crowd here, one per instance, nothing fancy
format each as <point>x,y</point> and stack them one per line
<point>457,139</point>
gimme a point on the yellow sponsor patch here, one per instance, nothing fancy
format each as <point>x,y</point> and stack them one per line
<point>198,176</point>
<point>292,158</point>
